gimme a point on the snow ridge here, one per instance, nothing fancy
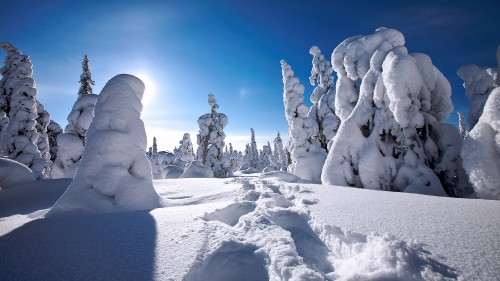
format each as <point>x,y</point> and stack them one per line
<point>268,234</point>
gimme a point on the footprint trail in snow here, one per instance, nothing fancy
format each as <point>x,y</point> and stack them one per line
<point>268,234</point>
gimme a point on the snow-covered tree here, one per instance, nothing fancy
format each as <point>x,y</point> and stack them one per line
<point>279,153</point>
<point>462,126</point>
<point>253,157</point>
<point>155,146</point>
<point>18,102</point>
<point>307,156</point>
<point>264,156</point>
<point>481,150</point>
<point>42,123</point>
<point>72,142</point>
<point>323,99</point>
<point>210,140</point>
<point>392,138</point>
<point>53,130</point>
<point>86,81</point>
<point>479,82</point>
<point>186,148</point>
<point>234,161</point>
<point>114,174</point>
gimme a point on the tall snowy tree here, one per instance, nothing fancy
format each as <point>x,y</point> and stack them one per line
<point>307,156</point>
<point>462,126</point>
<point>18,102</point>
<point>155,146</point>
<point>323,99</point>
<point>42,123</point>
<point>211,140</point>
<point>481,150</point>
<point>279,152</point>
<point>114,175</point>
<point>254,152</point>
<point>72,142</point>
<point>186,148</point>
<point>86,81</point>
<point>392,139</point>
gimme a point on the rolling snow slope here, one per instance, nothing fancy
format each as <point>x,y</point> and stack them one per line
<point>247,228</point>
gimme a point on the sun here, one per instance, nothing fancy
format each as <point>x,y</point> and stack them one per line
<point>150,88</point>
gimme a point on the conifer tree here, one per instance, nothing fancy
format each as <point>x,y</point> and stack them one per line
<point>86,81</point>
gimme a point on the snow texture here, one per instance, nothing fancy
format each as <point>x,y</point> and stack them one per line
<point>389,137</point>
<point>273,228</point>
<point>481,150</point>
<point>13,173</point>
<point>114,174</point>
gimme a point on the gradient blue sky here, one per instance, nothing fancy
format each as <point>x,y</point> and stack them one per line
<point>184,50</point>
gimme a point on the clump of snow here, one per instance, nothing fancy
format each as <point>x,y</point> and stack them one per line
<point>481,150</point>
<point>114,174</point>
<point>13,173</point>
<point>171,172</point>
<point>196,169</point>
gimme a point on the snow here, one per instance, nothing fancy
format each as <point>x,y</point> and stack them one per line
<point>114,173</point>
<point>196,169</point>
<point>13,173</point>
<point>276,227</point>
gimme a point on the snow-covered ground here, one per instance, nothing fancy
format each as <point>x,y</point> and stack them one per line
<point>252,228</point>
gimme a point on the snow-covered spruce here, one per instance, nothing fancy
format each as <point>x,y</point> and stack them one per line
<point>42,123</point>
<point>72,142</point>
<point>211,140</point>
<point>478,84</point>
<point>392,139</point>
<point>307,156</point>
<point>481,150</point>
<point>86,81</point>
<point>264,156</point>
<point>18,101</point>
<point>114,174</point>
<point>186,148</point>
<point>462,126</point>
<point>279,152</point>
<point>323,99</point>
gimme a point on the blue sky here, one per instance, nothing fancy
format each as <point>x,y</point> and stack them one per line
<point>184,50</point>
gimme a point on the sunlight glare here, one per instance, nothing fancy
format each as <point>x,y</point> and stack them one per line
<point>150,88</point>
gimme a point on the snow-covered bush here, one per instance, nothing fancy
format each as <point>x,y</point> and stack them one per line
<point>211,140</point>
<point>171,172</point>
<point>196,169</point>
<point>114,174</point>
<point>390,136</point>
<point>186,148</point>
<point>305,150</point>
<point>72,142</point>
<point>18,101</point>
<point>323,99</point>
<point>13,173</point>
<point>481,150</point>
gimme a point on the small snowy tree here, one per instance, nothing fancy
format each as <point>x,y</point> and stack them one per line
<point>86,81</point>
<point>264,156</point>
<point>18,100</point>
<point>53,130</point>
<point>155,146</point>
<point>186,148</point>
<point>391,134</point>
<point>279,152</point>
<point>307,156</point>
<point>479,82</point>
<point>211,140</point>
<point>481,150</point>
<point>462,126</point>
<point>114,174</point>
<point>42,123</point>
<point>233,158</point>
<point>323,99</point>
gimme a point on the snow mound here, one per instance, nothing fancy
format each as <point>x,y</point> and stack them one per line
<point>114,173</point>
<point>13,173</point>
<point>171,172</point>
<point>196,169</point>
